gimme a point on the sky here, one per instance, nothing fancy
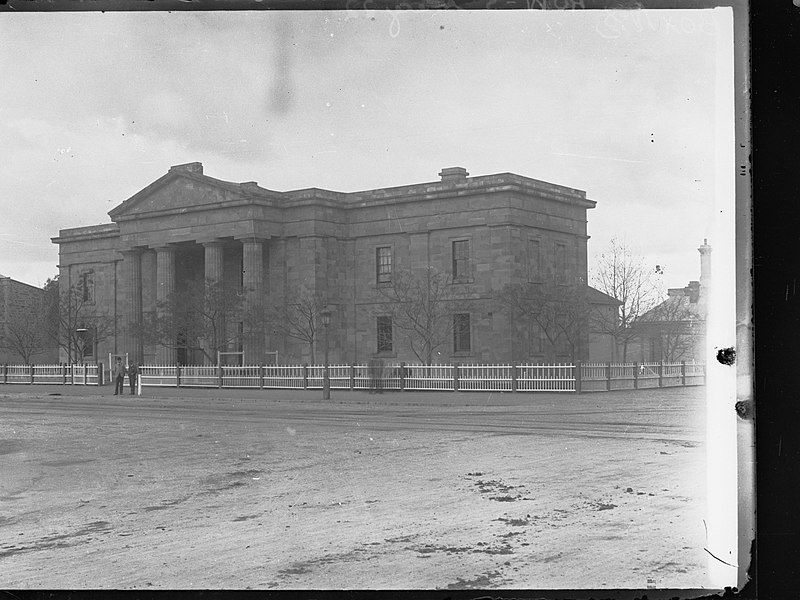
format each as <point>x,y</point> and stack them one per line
<point>96,106</point>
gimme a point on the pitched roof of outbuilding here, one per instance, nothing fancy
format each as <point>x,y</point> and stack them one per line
<point>674,308</point>
<point>595,296</point>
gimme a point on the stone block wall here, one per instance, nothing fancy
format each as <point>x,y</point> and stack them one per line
<point>325,242</point>
<point>22,301</point>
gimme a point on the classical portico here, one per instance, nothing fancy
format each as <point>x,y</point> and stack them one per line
<point>236,264</point>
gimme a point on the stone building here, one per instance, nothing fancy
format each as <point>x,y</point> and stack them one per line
<point>20,305</point>
<point>675,329</point>
<point>483,232</point>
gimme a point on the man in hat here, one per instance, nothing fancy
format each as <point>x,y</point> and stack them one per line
<point>118,374</point>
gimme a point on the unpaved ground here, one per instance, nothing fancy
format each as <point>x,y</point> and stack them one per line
<point>278,490</point>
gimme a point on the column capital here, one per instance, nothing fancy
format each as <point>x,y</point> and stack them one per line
<point>131,252</point>
<point>252,238</point>
<point>210,243</point>
<point>166,248</point>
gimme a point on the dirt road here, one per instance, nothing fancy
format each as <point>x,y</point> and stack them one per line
<point>277,490</point>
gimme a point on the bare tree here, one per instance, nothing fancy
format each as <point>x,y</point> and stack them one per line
<point>559,312</point>
<point>625,277</point>
<point>199,318</point>
<point>72,321</point>
<point>26,334</point>
<point>422,306</point>
<point>298,318</point>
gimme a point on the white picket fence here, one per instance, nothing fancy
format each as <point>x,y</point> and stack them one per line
<point>51,374</point>
<point>580,377</point>
<point>483,378</point>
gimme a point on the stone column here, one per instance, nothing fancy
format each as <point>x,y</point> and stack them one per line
<point>132,294</point>
<point>253,267</point>
<point>214,265</point>
<point>213,261</point>
<point>165,285</point>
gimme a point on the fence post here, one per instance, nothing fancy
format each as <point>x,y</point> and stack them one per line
<point>352,377</point>
<point>31,366</point>
<point>636,376</point>
<point>5,373</point>
<point>514,377</point>
<point>72,374</point>
<point>578,376</point>
<point>455,377</point>
<point>100,375</point>
<point>305,377</point>
<point>683,373</point>
<point>85,374</point>
<point>177,375</point>
<point>261,370</point>
<point>219,375</point>
<point>608,377</point>
<point>661,374</point>
<point>402,376</point>
<point>63,374</point>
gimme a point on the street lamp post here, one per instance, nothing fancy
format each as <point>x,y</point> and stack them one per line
<point>325,315</point>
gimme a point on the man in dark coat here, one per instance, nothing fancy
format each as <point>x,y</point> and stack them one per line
<point>133,374</point>
<point>119,376</point>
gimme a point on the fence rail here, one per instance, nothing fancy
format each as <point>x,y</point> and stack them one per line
<point>578,377</point>
<point>52,374</point>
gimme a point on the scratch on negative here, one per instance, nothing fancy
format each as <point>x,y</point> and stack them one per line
<point>720,560</point>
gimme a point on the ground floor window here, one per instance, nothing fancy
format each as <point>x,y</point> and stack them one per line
<point>85,342</point>
<point>461,333</point>
<point>384,330</point>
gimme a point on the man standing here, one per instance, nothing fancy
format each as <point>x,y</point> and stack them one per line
<point>133,374</point>
<point>119,376</point>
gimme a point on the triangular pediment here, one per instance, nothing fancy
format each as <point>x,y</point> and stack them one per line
<point>177,191</point>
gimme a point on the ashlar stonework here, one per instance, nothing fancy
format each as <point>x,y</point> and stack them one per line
<point>189,226</point>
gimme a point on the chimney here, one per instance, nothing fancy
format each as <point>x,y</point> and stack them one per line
<point>453,174</point>
<point>705,263</point>
<point>249,186</point>
<point>693,291</point>
<point>192,167</point>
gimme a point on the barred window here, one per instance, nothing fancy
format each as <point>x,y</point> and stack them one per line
<point>461,259</point>
<point>383,264</point>
<point>384,329</point>
<point>461,333</point>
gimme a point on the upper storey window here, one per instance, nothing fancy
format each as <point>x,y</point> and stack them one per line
<point>461,267</point>
<point>533,260</point>
<point>383,264</point>
<point>561,263</point>
<point>86,287</point>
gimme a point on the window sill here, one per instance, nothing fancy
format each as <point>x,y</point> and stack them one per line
<point>463,280</point>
